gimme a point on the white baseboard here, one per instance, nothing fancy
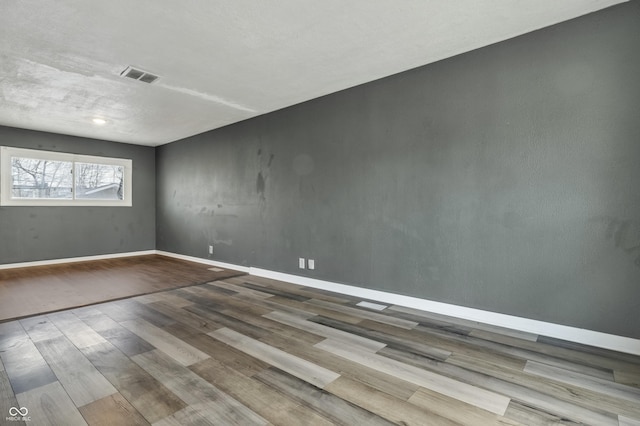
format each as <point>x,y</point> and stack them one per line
<point>244,269</point>
<point>76,259</point>
<point>572,334</point>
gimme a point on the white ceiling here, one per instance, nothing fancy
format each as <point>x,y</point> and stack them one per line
<point>220,62</point>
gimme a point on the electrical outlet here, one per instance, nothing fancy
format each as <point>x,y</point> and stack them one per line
<point>301,263</point>
<point>210,249</point>
<point>311,264</point>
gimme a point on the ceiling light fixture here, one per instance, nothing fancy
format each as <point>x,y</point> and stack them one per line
<point>99,121</point>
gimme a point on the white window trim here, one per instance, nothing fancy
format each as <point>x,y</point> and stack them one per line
<point>7,152</point>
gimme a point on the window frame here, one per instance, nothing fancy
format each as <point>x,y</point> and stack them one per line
<point>6,180</point>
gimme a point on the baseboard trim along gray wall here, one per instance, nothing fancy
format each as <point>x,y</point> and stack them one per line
<point>530,329</point>
<point>75,259</point>
<point>504,180</point>
<point>35,233</point>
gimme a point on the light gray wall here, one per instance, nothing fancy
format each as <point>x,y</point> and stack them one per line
<point>41,233</point>
<point>505,179</point>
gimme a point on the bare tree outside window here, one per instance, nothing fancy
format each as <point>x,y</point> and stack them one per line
<point>36,178</point>
<point>99,181</point>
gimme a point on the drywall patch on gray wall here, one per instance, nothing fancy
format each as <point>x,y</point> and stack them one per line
<point>42,233</point>
<point>505,179</point>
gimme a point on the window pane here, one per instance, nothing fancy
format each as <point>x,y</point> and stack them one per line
<point>99,181</point>
<point>41,179</point>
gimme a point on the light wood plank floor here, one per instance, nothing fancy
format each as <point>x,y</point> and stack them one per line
<point>248,350</point>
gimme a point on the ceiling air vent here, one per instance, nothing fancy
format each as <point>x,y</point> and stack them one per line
<point>136,74</point>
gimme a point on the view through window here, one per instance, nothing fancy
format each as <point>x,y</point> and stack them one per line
<point>31,177</point>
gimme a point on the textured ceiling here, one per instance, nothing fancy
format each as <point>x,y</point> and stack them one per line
<point>220,62</point>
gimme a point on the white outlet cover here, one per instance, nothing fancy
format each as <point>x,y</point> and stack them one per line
<point>311,264</point>
<point>301,263</point>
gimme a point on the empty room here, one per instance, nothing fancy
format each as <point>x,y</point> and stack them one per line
<point>313,213</point>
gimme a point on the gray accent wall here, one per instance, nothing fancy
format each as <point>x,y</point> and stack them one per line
<point>43,233</point>
<point>505,179</point>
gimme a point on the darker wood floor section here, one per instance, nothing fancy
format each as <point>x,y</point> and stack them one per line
<point>248,350</point>
<point>41,289</point>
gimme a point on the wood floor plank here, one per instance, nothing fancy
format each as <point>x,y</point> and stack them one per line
<point>205,413</point>
<point>305,370</point>
<point>227,301</point>
<point>543,388</point>
<point>456,410</point>
<point>329,405</point>
<point>313,310</point>
<point>628,421</point>
<point>166,297</point>
<point>25,367</point>
<point>263,399</point>
<point>182,352</point>
<point>185,317</point>
<point>364,313</point>
<point>7,397</point>
<point>582,349</point>
<point>229,356</point>
<point>447,343</point>
<point>560,400</point>
<point>510,351</point>
<point>207,300</point>
<point>274,304</point>
<point>112,410</point>
<point>12,335</point>
<point>384,405</point>
<point>181,331</point>
<point>390,385</point>
<point>143,311</point>
<point>531,416</point>
<point>389,340</point>
<point>300,290</point>
<point>276,292</point>
<point>627,378</point>
<point>274,326</point>
<point>481,398</point>
<point>127,309</point>
<point>220,320</point>
<point>592,362</point>
<point>471,325</point>
<point>116,311</point>
<point>150,397</point>
<point>95,318</point>
<point>506,336</point>
<point>40,328</point>
<point>201,395</point>
<point>226,284</point>
<point>49,405</point>
<point>78,376</point>
<point>322,330</point>
<point>576,366</point>
<point>127,342</point>
<point>584,381</point>
<point>79,333</point>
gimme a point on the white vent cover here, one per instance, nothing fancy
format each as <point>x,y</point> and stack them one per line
<point>138,74</point>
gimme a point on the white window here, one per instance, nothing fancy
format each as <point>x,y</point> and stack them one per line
<point>43,178</point>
